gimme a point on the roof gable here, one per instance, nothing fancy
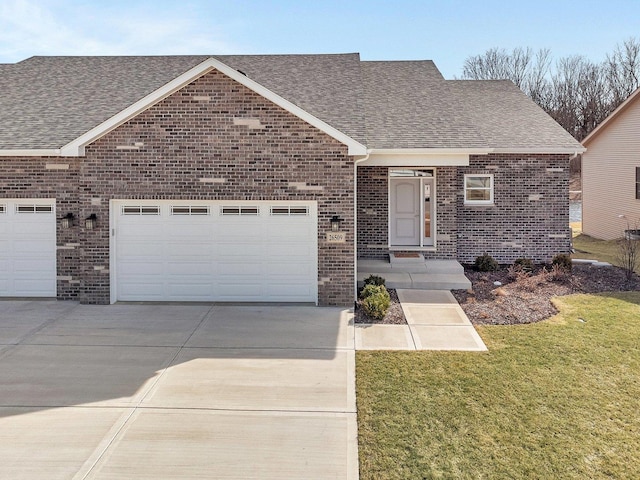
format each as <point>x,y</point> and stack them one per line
<point>76,147</point>
<point>604,125</point>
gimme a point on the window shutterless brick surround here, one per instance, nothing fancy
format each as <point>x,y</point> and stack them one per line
<point>212,140</point>
<point>529,217</point>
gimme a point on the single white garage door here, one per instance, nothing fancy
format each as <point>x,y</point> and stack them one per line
<point>27,247</point>
<point>214,251</point>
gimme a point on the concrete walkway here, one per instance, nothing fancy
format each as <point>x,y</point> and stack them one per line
<point>435,321</point>
<point>176,392</point>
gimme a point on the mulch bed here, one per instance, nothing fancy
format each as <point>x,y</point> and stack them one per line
<point>395,315</point>
<point>527,299</point>
<point>521,298</point>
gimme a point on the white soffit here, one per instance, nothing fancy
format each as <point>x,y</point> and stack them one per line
<point>433,157</point>
<point>76,147</point>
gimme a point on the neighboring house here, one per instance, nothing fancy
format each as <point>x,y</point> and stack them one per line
<point>611,173</point>
<point>223,178</point>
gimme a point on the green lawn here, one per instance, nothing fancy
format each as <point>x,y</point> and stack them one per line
<point>603,250</point>
<point>554,400</point>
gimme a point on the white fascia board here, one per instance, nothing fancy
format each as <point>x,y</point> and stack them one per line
<point>543,150</point>
<point>76,147</point>
<point>421,157</point>
<point>33,152</point>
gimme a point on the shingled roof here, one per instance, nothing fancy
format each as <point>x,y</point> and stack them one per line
<point>47,102</point>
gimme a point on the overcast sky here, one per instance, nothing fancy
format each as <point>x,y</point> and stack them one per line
<point>444,31</point>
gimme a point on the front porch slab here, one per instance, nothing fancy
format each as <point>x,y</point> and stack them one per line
<point>418,274</point>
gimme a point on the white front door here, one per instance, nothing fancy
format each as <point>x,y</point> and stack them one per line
<point>405,211</point>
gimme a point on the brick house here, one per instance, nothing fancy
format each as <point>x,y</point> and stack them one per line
<point>263,178</point>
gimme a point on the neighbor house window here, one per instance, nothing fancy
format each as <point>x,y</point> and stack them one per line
<point>637,183</point>
<point>478,189</point>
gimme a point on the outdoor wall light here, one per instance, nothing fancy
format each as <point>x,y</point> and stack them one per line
<point>91,222</point>
<point>335,223</point>
<point>67,220</point>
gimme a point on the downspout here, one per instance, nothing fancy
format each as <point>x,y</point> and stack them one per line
<point>355,223</point>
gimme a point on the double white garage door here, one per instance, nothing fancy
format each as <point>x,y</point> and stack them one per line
<point>214,251</point>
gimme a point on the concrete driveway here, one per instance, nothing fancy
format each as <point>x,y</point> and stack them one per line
<point>156,391</point>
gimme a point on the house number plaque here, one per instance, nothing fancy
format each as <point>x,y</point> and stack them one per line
<point>336,237</point>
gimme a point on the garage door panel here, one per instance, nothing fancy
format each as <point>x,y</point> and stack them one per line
<point>187,251</point>
<point>30,227</point>
<point>190,268</point>
<point>289,290</point>
<point>230,257</point>
<point>250,252</point>
<point>141,267</point>
<point>240,291</point>
<point>238,268</point>
<point>139,250</point>
<point>140,229</point>
<point>190,288</point>
<point>41,264</point>
<point>40,247</point>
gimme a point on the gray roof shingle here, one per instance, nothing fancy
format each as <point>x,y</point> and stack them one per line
<point>46,102</point>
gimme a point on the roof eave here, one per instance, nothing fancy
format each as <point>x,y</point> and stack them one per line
<point>542,150</point>
<point>30,152</point>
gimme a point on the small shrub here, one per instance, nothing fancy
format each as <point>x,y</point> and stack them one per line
<point>524,264</point>
<point>377,304</point>
<point>559,273</point>
<point>563,261</point>
<point>374,280</point>
<point>371,289</point>
<point>486,263</point>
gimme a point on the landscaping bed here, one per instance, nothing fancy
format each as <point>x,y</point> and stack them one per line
<point>520,298</point>
<point>523,298</point>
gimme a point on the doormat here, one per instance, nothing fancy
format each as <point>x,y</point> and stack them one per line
<point>406,254</point>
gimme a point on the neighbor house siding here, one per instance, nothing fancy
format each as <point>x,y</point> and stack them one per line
<point>530,214</point>
<point>57,178</point>
<point>196,144</point>
<point>609,177</point>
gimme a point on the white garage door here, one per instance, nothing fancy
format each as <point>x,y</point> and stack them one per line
<point>27,248</point>
<point>214,251</point>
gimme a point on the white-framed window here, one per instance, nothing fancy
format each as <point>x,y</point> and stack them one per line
<point>238,210</point>
<point>140,210</point>
<point>478,189</point>
<point>189,210</point>
<point>31,208</point>
<point>289,211</point>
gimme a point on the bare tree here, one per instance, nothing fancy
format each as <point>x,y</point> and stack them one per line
<point>623,70</point>
<point>576,92</point>
<point>521,66</point>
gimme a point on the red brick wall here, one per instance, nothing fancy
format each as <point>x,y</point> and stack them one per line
<point>191,135</point>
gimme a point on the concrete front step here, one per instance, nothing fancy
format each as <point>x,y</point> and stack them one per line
<point>424,281</point>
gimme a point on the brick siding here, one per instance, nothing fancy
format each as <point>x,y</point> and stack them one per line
<point>529,218</point>
<point>530,215</point>
<point>173,151</point>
